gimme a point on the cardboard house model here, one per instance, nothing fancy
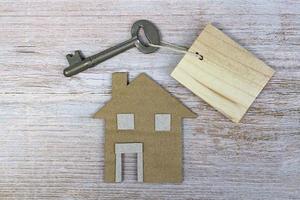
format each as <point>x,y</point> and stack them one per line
<point>145,119</point>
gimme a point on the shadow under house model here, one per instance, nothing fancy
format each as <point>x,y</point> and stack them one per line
<point>143,118</point>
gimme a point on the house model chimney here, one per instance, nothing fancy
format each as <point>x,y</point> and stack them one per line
<point>119,82</point>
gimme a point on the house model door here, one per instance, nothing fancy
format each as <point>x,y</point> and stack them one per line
<point>129,148</point>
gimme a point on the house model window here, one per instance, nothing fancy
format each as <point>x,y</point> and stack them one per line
<point>125,121</point>
<point>162,122</point>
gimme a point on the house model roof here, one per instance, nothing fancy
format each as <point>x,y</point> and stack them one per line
<point>141,95</point>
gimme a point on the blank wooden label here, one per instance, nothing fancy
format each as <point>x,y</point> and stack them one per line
<point>229,78</point>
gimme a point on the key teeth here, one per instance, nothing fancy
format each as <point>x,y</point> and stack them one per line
<point>75,58</point>
<point>79,54</point>
<point>69,56</point>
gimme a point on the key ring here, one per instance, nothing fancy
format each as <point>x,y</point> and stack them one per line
<point>142,38</point>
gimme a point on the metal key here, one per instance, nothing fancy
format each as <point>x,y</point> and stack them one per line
<point>79,63</point>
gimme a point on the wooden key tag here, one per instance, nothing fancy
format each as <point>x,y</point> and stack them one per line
<point>229,78</point>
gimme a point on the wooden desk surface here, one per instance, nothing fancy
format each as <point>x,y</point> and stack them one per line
<point>51,148</point>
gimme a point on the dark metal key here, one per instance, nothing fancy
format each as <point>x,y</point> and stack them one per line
<point>79,63</point>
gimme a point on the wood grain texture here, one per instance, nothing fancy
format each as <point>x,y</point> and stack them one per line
<point>51,148</point>
<point>229,78</point>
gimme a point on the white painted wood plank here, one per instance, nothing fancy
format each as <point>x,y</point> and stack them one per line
<point>118,176</point>
<point>140,167</point>
<point>50,148</point>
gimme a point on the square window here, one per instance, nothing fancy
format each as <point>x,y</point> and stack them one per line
<point>162,122</point>
<point>125,121</point>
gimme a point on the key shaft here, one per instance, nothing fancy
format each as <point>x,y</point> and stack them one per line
<point>98,58</point>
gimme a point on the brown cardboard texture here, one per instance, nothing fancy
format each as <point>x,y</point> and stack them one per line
<point>136,106</point>
<point>229,78</point>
